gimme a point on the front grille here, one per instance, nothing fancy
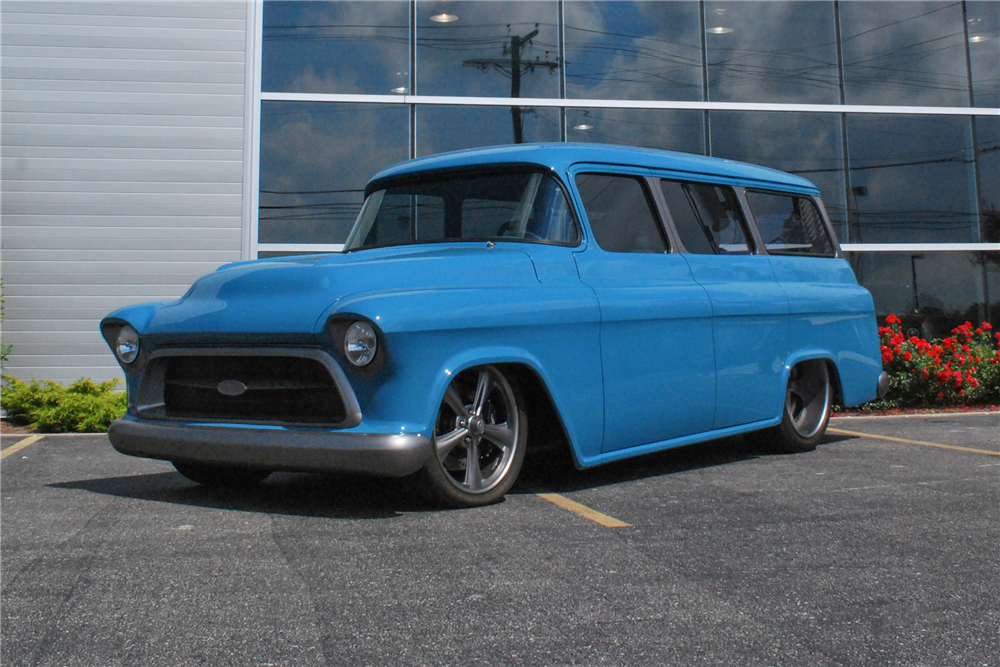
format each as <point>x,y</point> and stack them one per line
<point>279,390</point>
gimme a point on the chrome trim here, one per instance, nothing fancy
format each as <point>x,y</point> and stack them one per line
<point>293,450</point>
<point>883,384</point>
<point>149,397</point>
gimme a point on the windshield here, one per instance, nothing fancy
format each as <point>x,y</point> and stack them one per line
<point>519,206</point>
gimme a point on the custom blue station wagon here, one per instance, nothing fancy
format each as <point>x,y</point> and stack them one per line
<point>619,300</point>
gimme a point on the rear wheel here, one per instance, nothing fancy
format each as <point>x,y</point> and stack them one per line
<point>211,474</point>
<point>479,439</point>
<point>808,403</point>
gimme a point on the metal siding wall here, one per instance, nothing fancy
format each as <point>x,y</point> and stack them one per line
<point>123,131</point>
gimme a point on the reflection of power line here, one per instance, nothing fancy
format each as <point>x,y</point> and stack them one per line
<point>514,67</point>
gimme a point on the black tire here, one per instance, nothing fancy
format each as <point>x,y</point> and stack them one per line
<point>483,416</point>
<point>806,414</point>
<point>217,475</point>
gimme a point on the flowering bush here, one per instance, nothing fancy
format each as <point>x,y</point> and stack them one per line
<point>963,369</point>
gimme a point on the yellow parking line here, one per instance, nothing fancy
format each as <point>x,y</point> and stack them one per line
<point>912,442</point>
<point>20,445</point>
<point>584,511</point>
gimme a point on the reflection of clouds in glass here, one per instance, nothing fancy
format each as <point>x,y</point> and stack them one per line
<point>809,145</point>
<point>315,161</point>
<point>335,47</point>
<point>482,33</point>
<point>776,52</point>
<point>448,128</point>
<point>984,51</point>
<point>904,53</point>
<point>633,50</point>
<point>649,128</point>
<point>917,178</point>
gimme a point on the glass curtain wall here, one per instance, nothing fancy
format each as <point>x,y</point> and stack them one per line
<point>348,88</point>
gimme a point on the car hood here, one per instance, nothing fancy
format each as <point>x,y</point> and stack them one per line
<point>293,294</point>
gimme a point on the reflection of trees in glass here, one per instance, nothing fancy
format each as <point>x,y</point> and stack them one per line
<point>633,50</point>
<point>904,53</point>
<point>772,52</point>
<point>336,47</point>
<point>315,160</point>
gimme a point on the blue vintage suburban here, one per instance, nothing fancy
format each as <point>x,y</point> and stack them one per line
<point>617,300</point>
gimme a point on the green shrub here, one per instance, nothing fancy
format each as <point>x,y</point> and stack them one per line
<point>961,369</point>
<point>49,407</point>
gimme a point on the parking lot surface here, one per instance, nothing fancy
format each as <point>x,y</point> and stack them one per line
<point>868,551</point>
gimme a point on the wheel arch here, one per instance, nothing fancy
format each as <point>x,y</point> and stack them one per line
<point>812,355</point>
<point>547,426</point>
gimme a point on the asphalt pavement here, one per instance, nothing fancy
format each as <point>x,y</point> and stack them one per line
<point>869,551</point>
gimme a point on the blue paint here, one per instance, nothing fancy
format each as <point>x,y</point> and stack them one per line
<point>639,352</point>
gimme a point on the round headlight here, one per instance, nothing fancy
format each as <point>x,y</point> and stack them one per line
<point>360,344</point>
<point>127,344</point>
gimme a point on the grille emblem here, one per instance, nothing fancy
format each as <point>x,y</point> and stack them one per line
<point>231,388</point>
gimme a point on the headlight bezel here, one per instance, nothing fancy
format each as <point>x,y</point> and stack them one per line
<point>127,337</point>
<point>360,344</point>
<point>337,327</point>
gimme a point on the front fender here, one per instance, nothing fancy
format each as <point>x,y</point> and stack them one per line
<point>431,335</point>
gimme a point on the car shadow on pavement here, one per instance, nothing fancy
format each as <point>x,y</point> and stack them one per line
<point>554,471</point>
<point>300,494</point>
<point>359,497</point>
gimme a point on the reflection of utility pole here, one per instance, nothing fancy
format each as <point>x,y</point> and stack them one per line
<point>913,270</point>
<point>514,67</point>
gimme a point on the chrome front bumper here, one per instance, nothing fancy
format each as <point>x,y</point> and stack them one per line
<point>302,450</point>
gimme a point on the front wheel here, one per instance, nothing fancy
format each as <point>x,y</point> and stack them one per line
<point>808,404</point>
<point>210,474</point>
<point>479,439</point>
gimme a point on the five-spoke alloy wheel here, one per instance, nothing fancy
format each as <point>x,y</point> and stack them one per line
<point>479,439</point>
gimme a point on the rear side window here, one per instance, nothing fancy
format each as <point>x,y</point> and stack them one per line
<point>790,224</point>
<point>620,213</point>
<point>707,218</point>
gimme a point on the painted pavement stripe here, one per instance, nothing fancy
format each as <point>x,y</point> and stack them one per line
<point>20,445</point>
<point>911,442</point>
<point>584,511</point>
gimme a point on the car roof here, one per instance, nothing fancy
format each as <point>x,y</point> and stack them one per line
<point>561,156</point>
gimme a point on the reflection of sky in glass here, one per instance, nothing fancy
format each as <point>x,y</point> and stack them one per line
<point>809,145</point>
<point>911,179</point>
<point>633,50</point>
<point>650,128</point>
<point>988,154</point>
<point>450,128</point>
<point>904,53</point>
<point>773,52</point>
<point>315,160</point>
<point>472,55</point>
<point>335,47</point>
<point>949,286</point>
<point>984,51</point>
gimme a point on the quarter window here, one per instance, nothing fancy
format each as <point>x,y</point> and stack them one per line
<point>620,213</point>
<point>707,218</point>
<point>789,224</point>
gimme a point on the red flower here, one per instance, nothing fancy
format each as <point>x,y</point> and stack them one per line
<point>892,319</point>
<point>907,356</point>
<point>986,326</point>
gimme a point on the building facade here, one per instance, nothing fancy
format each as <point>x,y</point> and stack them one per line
<point>145,144</point>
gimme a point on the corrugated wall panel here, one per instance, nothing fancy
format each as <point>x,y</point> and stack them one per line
<point>123,134</point>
